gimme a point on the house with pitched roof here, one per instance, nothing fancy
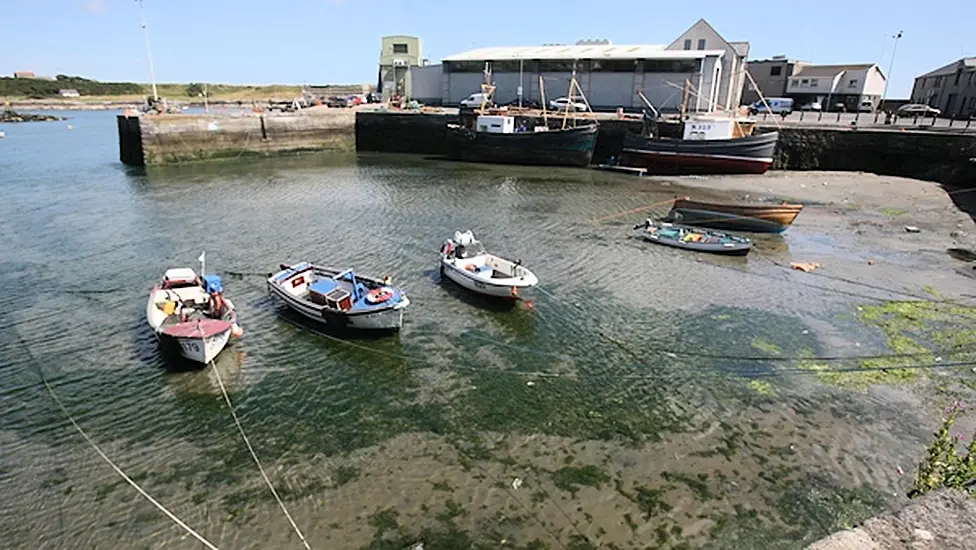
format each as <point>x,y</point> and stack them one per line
<point>951,88</point>
<point>834,86</point>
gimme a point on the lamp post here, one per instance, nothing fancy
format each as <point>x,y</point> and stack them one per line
<point>891,66</point>
<point>145,33</point>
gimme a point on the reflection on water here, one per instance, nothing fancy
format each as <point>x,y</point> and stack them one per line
<point>387,441</point>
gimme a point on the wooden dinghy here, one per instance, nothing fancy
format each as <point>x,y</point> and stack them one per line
<point>693,238</point>
<point>755,218</point>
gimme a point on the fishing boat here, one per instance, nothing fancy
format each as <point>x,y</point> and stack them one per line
<point>705,144</point>
<point>708,147</point>
<point>464,260</point>
<point>691,238</point>
<point>756,218</point>
<point>498,139</point>
<point>190,315</point>
<point>505,138</point>
<point>340,298</point>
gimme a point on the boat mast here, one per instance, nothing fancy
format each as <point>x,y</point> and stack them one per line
<point>571,95</point>
<point>684,98</point>
<point>520,84</point>
<point>542,94</point>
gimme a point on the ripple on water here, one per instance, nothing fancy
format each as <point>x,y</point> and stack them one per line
<point>427,428</point>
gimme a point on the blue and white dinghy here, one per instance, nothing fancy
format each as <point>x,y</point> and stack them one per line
<point>340,299</point>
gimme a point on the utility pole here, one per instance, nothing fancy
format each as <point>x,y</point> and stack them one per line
<point>145,33</point>
<point>891,66</point>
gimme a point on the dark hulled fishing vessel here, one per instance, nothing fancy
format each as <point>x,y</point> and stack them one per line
<point>499,140</point>
<point>751,154</point>
<point>703,144</point>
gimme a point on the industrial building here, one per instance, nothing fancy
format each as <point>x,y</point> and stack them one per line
<point>771,77</point>
<point>951,88</point>
<point>398,54</point>
<point>610,75</point>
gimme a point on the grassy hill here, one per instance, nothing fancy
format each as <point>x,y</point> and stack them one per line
<point>92,90</point>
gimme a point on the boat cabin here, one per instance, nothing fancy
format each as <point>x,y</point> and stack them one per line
<point>717,128</point>
<point>496,124</point>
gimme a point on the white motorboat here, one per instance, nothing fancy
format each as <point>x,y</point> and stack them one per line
<point>464,260</point>
<point>340,299</point>
<point>190,315</point>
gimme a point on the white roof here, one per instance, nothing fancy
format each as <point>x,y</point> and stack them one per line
<point>586,51</point>
<point>180,274</point>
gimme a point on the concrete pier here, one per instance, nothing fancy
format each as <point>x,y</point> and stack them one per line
<point>167,139</point>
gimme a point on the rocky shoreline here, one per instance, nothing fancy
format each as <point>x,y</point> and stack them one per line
<point>8,115</point>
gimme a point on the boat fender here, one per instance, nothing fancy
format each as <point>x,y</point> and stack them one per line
<point>236,331</point>
<point>379,295</point>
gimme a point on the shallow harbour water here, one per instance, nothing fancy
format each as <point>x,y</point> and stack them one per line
<point>617,399</point>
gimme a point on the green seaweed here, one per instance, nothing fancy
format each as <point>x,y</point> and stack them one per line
<point>570,479</point>
<point>765,346</point>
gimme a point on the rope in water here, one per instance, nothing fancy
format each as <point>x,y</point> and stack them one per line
<point>118,470</point>
<point>254,455</point>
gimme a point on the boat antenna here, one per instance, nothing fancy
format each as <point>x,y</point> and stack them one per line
<point>203,263</point>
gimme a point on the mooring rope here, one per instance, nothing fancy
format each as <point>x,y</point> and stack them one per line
<point>118,470</point>
<point>254,455</point>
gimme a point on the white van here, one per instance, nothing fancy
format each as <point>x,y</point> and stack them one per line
<point>777,106</point>
<point>866,106</point>
<point>475,100</point>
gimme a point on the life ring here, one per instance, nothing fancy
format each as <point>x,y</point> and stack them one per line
<point>379,295</point>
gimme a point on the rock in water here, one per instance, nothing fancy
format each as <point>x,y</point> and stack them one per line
<point>12,116</point>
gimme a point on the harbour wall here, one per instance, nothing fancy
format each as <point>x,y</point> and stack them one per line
<point>948,158</point>
<point>169,139</point>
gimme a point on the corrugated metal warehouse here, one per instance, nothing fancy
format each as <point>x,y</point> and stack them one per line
<point>610,75</point>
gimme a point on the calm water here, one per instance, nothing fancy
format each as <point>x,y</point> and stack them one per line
<point>384,442</point>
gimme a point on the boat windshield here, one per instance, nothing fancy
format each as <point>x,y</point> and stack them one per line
<point>473,249</point>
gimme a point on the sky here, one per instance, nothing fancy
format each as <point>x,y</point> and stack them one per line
<point>338,41</point>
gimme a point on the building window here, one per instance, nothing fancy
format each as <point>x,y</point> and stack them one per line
<point>701,43</point>
<point>814,83</point>
<point>511,66</point>
<point>464,66</point>
<point>805,82</point>
<point>793,83</point>
<point>614,65</point>
<point>671,66</point>
<point>687,43</point>
<point>399,48</point>
<point>852,83</point>
<point>775,71</point>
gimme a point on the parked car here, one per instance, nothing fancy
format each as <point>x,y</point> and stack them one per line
<point>337,102</point>
<point>474,101</point>
<point>562,103</point>
<point>866,106</point>
<point>812,106</point>
<point>772,105</point>
<point>526,103</point>
<point>917,109</point>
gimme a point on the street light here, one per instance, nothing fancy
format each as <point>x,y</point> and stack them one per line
<point>891,66</point>
<point>145,33</point>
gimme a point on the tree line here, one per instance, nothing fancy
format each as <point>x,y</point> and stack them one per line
<point>35,88</point>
